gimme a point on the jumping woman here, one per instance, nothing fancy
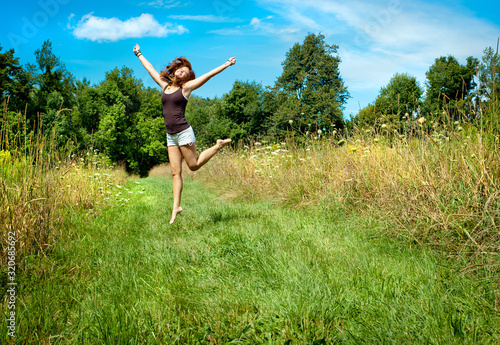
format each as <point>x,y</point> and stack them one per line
<point>177,81</point>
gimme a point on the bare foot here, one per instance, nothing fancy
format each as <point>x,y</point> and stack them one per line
<point>175,212</point>
<point>222,142</point>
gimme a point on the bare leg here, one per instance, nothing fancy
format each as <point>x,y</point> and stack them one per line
<point>194,161</point>
<point>175,158</point>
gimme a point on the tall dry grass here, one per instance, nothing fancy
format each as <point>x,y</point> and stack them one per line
<point>440,189</point>
<point>40,184</point>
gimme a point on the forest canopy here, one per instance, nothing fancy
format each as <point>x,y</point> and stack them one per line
<point>122,118</point>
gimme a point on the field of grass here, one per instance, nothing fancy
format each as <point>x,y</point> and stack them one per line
<point>440,190</point>
<point>376,237</point>
<point>243,273</point>
<point>40,184</point>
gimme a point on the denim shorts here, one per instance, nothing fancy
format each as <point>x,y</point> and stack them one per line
<point>186,137</point>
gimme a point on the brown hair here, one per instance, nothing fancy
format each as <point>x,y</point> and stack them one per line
<point>169,72</point>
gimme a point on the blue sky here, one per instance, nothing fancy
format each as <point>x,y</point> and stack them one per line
<point>376,39</point>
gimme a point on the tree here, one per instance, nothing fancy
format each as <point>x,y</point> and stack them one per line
<point>402,95</point>
<point>51,75</point>
<point>116,133</point>
<point>243,105</point>
<point>397,101</point>
<point>203,114</point>
<point>448,82</point>
<point>207,117</point>
<point>15,81</point>
<point>489,74</point>
<point>55,90</point>
<point>369,117</point>
<point>86,112</point>
<point>129,121</point>
<point>312,86</point>
<point>129,86</point>
<point>238,115</point>
<point>149,139</point>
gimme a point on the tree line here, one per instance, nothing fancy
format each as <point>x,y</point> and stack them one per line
<point>453,92</point>
<point>123,118</point>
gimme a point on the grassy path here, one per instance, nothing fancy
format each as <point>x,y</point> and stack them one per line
<point>243,273</point>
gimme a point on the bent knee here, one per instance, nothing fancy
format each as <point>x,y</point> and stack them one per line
<point>193,167</point>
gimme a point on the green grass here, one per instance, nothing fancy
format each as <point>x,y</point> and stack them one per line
<point>243,273</point>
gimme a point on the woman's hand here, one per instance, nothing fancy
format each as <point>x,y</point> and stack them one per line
<point>137,49</point>
<point>231,61</point>
<point>149,67</point>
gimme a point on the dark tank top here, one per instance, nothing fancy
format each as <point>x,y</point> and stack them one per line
<point>174,108</point>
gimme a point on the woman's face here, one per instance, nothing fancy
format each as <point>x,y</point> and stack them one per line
<point>182,73</point>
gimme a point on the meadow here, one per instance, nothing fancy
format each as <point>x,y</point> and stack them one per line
<point>373,236</point>
<point>435,186</point>
<point>243,273</point>
<point>41,184</point>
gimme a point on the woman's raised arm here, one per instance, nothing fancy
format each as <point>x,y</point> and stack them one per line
<point>198,82</point>
<point>149,67</point>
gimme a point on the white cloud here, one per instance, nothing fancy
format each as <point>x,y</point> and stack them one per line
<point>268,28</point>
<point>206,18</point>
<point>228,32</point>
<point>113,29</point>
<point>259,27</point>
<point>379,38</point>
<point>68,26</point>
<point>421,29</point>
<point>166,4</point>
<point>255,22</point>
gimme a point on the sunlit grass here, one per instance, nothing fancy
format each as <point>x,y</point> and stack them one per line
<point>246,273</point>
<point>305,259</point>
<point>40,185</point>
<point>437,186</point>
